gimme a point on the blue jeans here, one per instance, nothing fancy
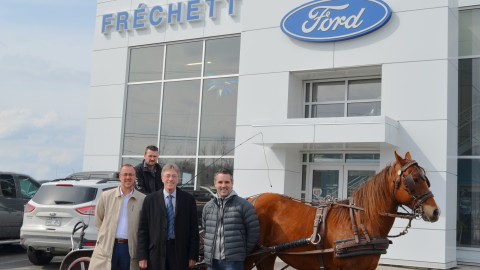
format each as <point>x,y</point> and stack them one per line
<point>120,257</point>
<point>224,265</point>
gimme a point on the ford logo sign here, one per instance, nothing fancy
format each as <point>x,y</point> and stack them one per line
<point>334,20</point>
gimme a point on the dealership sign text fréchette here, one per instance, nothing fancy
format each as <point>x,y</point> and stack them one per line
<point>144,16</point>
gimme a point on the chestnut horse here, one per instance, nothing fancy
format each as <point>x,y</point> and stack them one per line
<point>375,203</point>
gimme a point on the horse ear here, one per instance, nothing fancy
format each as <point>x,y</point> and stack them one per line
<point>398,158</point>
<point>408,156</point>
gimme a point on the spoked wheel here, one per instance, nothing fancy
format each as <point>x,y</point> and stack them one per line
<point>81,263</point>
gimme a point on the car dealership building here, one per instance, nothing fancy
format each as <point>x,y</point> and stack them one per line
<point>303,98</point>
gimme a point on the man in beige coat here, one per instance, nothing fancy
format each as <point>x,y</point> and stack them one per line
<point>116,218</point>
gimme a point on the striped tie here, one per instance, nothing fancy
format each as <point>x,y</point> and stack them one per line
<point>171,218</point>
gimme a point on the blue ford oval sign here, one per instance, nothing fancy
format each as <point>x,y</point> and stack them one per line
<point>334,20</point>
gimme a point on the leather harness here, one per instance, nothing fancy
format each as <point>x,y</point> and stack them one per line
<point>357,245</point>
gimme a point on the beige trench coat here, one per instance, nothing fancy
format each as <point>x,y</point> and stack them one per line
<point>106,219</point>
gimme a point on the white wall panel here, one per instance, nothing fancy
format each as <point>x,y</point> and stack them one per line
<point>151,3</point>
<point>252,151</point>
<point>109,67</point>
<point>419,248</point>
<point>415,90</point>
<point>103,137</point>
<point>262,180</point>
<point>115,6</point>
<point>426,141</point>
<point>407,5</point>
<point>106,101</point>
<point>269,50</point>
<point>150,35</point>
<point>101,163</point>
<point>267,13</point>
<point>185,30</point>
<point>402,39</point>
<point>263,96</point>
<point>287,133</point>
<point>466,3</point>
<point>375,130</point>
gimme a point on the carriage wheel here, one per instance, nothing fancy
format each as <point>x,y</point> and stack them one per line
<point>81,263</point>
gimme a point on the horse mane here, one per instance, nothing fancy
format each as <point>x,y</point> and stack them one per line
<point>374,196</point>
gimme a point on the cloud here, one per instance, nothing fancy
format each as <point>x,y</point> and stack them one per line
<point>14,69</point>
<point>45,61</point>
<point>11,122</point>
<point>45,127</point>
<point>41,144</point>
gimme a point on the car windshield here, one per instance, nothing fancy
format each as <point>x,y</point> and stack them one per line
<point>64,194</point>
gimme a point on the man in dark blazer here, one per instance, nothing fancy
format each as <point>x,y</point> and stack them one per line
<point>161,247</point>
<point>149,172</point>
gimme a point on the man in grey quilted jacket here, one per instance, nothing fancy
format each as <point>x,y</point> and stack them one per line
<point>231,226</point>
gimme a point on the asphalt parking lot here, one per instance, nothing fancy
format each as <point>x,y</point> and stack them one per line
<point>15,257</point>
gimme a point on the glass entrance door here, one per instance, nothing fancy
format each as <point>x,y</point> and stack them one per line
<point>325,181</point>
<point>337,181</point>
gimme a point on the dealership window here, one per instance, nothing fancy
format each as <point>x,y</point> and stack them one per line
<point>182,97</point>
<point>342,98</point>
<point>468,178</point>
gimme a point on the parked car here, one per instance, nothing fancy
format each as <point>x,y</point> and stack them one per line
<point>52,213</point>
<point>41,182</point>
<point>15,191</point>
<point>93,175</point>
<point>202,195</point>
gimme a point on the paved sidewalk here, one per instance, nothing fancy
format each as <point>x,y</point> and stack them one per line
<point>279,265</point>
<point>459,267</point>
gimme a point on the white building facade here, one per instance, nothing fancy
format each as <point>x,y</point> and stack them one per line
<point>234,83</point>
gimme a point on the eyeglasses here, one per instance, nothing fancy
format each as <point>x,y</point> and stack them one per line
<point>127,174</point>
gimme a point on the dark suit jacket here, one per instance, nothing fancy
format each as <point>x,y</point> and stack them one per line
<point>152,231</point>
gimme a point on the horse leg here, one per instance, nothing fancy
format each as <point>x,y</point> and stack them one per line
<point>260,262</point>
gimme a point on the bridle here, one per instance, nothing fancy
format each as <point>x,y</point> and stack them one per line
<point>409,184</point>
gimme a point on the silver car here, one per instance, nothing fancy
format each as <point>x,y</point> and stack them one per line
<point>51,215</point>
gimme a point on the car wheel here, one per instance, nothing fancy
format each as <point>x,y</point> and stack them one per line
<point>38,257</point>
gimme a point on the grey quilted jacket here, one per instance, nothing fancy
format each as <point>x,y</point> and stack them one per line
<point>240,225</point>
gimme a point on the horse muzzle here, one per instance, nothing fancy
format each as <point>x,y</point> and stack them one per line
<point>430,213</point>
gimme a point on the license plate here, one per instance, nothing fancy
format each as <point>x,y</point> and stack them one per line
<point>53,221</point>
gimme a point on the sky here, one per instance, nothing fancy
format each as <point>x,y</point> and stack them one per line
<point>45,62</point>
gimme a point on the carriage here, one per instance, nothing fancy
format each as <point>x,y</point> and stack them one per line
<point>330,234</point>
<point>79,257</point>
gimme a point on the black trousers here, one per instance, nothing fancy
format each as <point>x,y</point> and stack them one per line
<point>171,260</point>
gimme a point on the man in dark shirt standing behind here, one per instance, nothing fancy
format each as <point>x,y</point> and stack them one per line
<point>149,172</point>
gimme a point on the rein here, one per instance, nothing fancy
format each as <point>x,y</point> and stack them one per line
<point>355,246</point>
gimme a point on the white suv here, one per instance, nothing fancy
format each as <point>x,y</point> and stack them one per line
<point>50,216</point>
